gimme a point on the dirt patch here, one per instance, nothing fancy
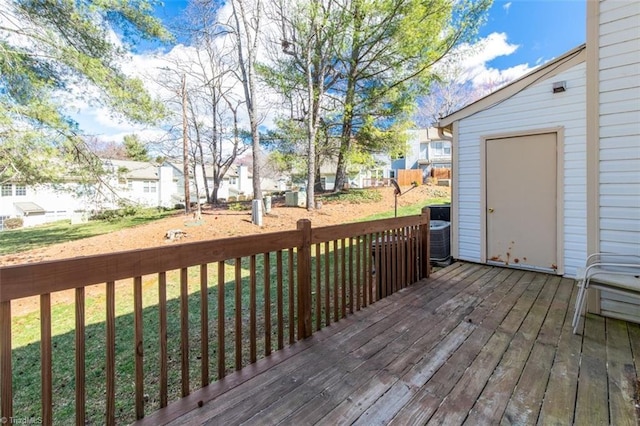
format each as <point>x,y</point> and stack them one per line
<point>221,223</point>
<point>214,224</point>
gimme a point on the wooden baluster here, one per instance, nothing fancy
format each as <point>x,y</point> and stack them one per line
<point>343,271</point>
<point>6,373</point>
<point>395,260</point>
<point>221,323</point>
<point>365,270</point>
<point>358,274</point>
<point>267,305</point>
<point>383,264</point>
<point>368,269</point>
<point>292,298</point>
<point>410,256</point>
<point>318,289</point>
<point>252,310</point>
<point>45,359</point>
<point>238,313</point>
<point>164,357</point>
<point>327,295</point>
<point>402,244</point>
<point>391,267</point>
<point>351,292</point>
<point>280,299</point>
<point>111,354</point>
<point>336,283</point>
<point>80,357</point>
<point>425,241</point>
<point>139,347</point>
<point>184,330</point>
<point>204,326</point>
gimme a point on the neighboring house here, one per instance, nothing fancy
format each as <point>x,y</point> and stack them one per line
<point>237,181</point>
<point>546,169</point>
<point>358,176</point>
<point>135,182</point>
<point>38,204</point>
<point>138,182</point>
<point>426,150</point>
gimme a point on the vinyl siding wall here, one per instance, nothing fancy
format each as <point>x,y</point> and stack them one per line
<point>619,65</point>
<point>534,108</point>
<point>619,150</point>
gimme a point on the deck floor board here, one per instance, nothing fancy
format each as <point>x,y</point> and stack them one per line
<point>473,344</point>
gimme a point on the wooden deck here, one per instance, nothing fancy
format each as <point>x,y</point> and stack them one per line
<point>473,344</point>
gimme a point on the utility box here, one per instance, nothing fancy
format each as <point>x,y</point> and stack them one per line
<point>440,212</point>
<point>295,199</point>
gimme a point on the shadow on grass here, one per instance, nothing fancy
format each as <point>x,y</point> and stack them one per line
<point>26,359</point>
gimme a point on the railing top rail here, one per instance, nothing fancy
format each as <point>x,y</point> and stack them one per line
<point>18,281</point>
<point>335,232</point>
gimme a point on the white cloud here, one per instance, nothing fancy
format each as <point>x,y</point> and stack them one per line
<point>506,6</point>
<point>470,63</point>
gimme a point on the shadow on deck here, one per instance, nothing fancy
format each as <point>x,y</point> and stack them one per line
<point>472,344</point>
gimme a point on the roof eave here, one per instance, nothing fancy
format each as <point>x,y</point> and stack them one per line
<point>548,70</point>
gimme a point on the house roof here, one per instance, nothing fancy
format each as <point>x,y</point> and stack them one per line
<point>135,169</point>
<point>425,134</point>
<point>548,70</point>
<point>28,207</point>
<point>232,172</point>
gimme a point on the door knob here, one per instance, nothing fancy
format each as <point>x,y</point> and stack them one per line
<point>490,210</point>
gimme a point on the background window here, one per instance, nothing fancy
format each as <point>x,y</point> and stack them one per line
<point>21,190</point>
<point>7,190</point>
<point>148,186</point>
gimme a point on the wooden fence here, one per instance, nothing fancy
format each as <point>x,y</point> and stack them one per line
<point>408,177</point>
<point>284,286</point>
<point>441,173</point>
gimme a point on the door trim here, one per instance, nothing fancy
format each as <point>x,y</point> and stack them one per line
<point>559,132</point>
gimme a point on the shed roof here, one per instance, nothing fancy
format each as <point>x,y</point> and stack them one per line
<point>552,68</point>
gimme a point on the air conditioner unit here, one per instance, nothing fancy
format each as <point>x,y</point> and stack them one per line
<point>440,245</point>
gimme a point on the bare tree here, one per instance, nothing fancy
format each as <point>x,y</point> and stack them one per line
<point>215,89</point>
<point>247,20</point>
<point>452,89</point>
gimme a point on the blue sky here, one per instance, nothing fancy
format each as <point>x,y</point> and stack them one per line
<point>518,36</point>
<point>542,29</point>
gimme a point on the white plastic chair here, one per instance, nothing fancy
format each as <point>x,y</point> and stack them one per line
<point>618,273</point>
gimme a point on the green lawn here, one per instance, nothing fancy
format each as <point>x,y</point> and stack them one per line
<point>19,240</point>
<point>409,210</point>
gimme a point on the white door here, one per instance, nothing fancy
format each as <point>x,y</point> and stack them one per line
<point>521,179</point>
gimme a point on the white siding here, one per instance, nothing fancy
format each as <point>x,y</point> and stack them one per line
<point>619,156</point>
<point>619,108</point>
<point>533,108</point>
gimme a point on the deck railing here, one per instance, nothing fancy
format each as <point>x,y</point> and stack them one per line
<point>267,290</point>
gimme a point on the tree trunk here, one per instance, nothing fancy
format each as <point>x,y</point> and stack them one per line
<point>349,103</point>
<point>311,134</point>
<point>247,65</point>
<point>185,147</point>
